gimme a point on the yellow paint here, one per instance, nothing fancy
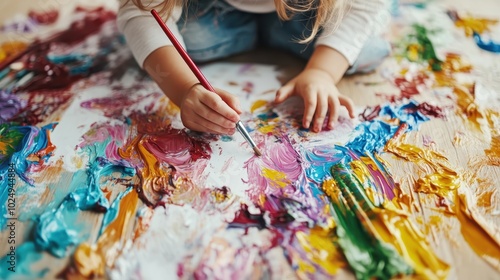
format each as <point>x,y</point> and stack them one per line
<point>91,260</point>
<point>413,52</point>
<point>88,261</point>
<point>480,236</point>
<point>485,241</point>
<point>484,199</point>
<point>320,250</point>
<point>391,225</point>
<point>494,151</point>
<point>276,178</point>
<point>438,183</point>
<point>267,129</point>
<point>257,105</point>
<point>361,171</point>
<point>465,101</point>
<point>395,227</point>
<point>452,64</point>
<point>471,25</point>
<point>11,48</point>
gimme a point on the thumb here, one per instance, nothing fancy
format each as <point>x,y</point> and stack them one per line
<point>230,100</point>
<point>284,92</point>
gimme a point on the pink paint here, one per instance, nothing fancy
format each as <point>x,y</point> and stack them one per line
<point>276,155</point>
<point>176,147</point>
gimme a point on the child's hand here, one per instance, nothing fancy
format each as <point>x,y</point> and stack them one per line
<point>206,111</point>
<point>320,95</point>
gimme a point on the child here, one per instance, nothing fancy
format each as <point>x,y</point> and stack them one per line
<point>335,36</point>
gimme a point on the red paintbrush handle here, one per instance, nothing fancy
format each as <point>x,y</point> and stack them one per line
<point>196,71</point>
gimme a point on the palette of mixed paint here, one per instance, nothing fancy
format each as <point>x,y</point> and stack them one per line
<point>100,179</point>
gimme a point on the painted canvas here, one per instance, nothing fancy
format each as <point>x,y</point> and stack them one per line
<point>99,179</point>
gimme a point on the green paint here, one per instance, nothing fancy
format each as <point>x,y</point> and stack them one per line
<point>426,50</point>
<point>369,257</point>
<point>9,141</point>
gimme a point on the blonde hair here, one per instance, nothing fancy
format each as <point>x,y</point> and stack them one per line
<point>325,11</point>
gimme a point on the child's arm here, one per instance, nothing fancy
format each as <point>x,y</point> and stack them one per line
<point>201,110</point>
<point>336,49</point>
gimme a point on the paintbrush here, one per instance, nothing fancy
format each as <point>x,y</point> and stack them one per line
<point>199,75</point>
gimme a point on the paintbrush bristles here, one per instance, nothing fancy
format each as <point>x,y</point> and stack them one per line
<point>257,151</point>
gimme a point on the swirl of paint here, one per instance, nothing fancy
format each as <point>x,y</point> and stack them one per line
<point>278,168</point>
<point>176,147</point>
<point>10,105</point>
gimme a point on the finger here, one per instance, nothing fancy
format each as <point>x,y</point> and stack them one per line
<point>213,101</point>
<point>208,114</point>
<point>334,106</point>
<point>321,110</point>
<point>203,125</point>
<point>284,92</point>
<point>348,103</point>
<point>230,100</point>
<point>310,101</point>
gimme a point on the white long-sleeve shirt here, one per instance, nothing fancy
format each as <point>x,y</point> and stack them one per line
<point>362,20</point>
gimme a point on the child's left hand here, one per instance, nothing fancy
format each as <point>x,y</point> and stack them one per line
<point>320,95</point>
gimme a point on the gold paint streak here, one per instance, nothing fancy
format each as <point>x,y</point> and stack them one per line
<point>480,236</point>
<point>485,198</point>
<point>439,184</point>
<point>393,226</point>
<point>91,260</point>
<point>493,153</point>
<point>465,101</point>
<point>277,179</point>
<point>482,239</point>
<point>320,249</point>
<point>258,104</point>
<point>470,25</point>
<point>11,48</point>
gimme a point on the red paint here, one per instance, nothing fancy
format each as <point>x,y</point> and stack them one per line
<point>410,88</point>
<point>49,75</point>
<point>370,113</point>
<point>44,18</point>
<point>431,110</point>
<point>41,105</point>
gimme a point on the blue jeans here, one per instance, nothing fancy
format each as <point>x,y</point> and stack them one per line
<point>214,29</point>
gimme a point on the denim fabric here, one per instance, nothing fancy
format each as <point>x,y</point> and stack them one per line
<point>213,29</point>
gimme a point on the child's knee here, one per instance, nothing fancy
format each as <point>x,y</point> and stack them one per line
<point>373,53</point>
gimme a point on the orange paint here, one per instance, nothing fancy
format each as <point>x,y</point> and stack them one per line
<point>91,260</point>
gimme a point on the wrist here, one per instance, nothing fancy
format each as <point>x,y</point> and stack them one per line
<point>330,61</point>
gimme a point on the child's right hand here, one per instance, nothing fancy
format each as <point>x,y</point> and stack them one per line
<point>206,111</point>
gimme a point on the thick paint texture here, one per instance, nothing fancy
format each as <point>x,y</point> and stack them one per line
<point>10,105</point>
<point>444,181</point>
<point>22,149</point>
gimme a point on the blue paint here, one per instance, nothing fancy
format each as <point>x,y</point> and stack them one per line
<point>26,256</point>
<point>56,230</point>
<point>226,138</point>
<point>33,140</point>
<point>407,113</point>
<point>488,45</point>
<point>371,137</point>
<point>267,116</point>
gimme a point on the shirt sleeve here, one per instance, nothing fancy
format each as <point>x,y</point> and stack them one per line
<point>364,19</point>
<point>142,32</point>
